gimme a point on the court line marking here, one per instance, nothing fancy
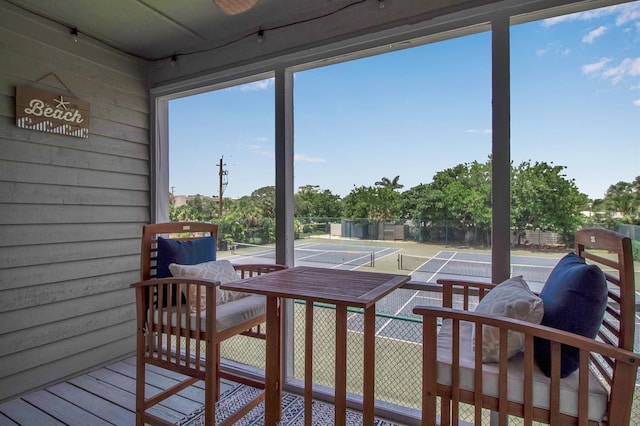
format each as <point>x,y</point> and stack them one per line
<point>388,321</point>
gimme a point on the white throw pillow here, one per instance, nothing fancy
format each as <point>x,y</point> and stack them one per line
<point>216,270</point>
<point>511,298</point>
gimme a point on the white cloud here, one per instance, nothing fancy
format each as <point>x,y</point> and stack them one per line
<point>554,47</point>
<point>637,102</point>
<point>593,35</point>
<point>257,85</point>
<point>596,66</point>
<point>635,67</point>
<point>308,159</point>
<point>628,12</point>
<point>580,16</point>
<point>628,67</point>
<point>259,150</point>
<point>635,87</point>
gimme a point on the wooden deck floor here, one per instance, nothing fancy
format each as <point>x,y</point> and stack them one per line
<point>102,397</point>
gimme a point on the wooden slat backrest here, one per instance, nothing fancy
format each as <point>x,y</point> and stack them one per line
<point>176,230</point>
<point>614,256</point>
<point>617,263</point>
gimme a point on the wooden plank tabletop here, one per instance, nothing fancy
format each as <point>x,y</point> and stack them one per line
<point>354,288</point>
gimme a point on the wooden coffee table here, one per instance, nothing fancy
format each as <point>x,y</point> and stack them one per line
<point>341,288</point>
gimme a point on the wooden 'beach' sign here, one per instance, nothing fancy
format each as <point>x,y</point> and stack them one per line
<point>50,112</point>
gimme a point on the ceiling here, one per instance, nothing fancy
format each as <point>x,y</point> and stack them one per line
<point>159,29</point>
<point>154,29</point>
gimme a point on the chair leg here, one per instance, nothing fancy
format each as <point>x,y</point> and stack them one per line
<point>217,360</point>
<point>210,392</point>
<point>140,386</point>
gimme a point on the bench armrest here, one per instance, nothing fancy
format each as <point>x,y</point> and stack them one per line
<point>624,364</point>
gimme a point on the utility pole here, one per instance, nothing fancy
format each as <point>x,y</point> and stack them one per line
<point>223,184</point>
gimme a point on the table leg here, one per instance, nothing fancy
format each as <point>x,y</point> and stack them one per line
<point>341,366</point>
<point>273,375</point>
<point>369,381</point>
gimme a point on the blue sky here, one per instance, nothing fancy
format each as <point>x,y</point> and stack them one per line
<point>575,101</point>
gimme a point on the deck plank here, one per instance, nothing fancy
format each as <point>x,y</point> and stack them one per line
<point>182,406</point>
<point>164,372</point>
<point>24,413</point>
<point>95,404</point>
<point>62,410</point>
<point>120,396</point>
<point>6,421</point>
<point>160,381</point>
<point>224,383</point>
<point>104,396</point>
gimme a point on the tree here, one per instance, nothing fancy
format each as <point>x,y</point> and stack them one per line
<point>265,199</point>
<point>368,202</point>
<point>391,184</point>
<point>421,204</point>
<point>311,202</point>
<point>624,198</point>
<point>542,197</point>
<point>197,209</point>
<point>465,197</point>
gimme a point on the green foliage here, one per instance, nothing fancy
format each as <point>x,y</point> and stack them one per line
<point>422,202</point>
<point>636,250</point>
<point>198,209</point>
<point>543,198</point>
<point>624,198</point>
<point>377,203</point>
<point>457,203</point>
<point>311,202</point>
<point>392,184</point>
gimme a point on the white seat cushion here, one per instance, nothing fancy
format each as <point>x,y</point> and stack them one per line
<point>568,388</point>
<point>227,314</point>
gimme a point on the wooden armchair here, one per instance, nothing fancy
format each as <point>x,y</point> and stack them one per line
<point>600,391</point>
<point>179,323</point>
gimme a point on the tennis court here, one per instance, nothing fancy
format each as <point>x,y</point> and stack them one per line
<point>395,318</point>
<point>329,256</point>
<point>476,267</point>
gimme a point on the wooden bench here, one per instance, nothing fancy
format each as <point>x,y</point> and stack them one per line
<point>599,392</point>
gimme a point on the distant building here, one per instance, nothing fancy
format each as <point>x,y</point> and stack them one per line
<point>181,200</point>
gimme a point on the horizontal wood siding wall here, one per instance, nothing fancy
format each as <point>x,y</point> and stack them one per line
<point>71,210</point>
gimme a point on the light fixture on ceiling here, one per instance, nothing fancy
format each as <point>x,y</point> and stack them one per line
<point>174,60</point>
<point>381,4</point>
<point>260,38</point>
<point>233,7</point>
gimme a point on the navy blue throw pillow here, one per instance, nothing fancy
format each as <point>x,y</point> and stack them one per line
<point>575,298</point>
<point>189,252</point>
